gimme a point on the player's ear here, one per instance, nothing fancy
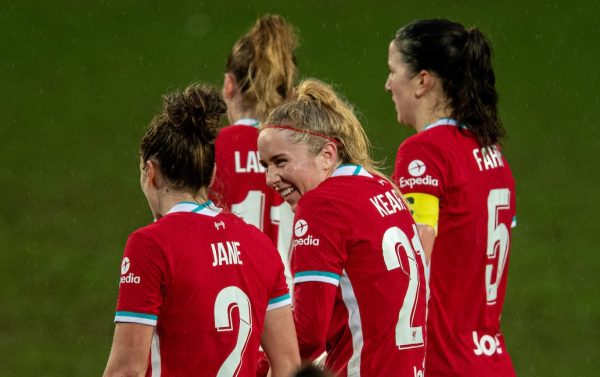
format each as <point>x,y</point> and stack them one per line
<point>152,174</point>
<point>229,86</point>
<point>425,81</point>
<point>329,155</point>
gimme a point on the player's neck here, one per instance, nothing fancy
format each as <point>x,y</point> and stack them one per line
<point>235,112</point>
<point>170,198</point>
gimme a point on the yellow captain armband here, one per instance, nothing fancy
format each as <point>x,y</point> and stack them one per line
<point>425,208</point>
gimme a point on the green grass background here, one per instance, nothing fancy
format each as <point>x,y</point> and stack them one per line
<point>81,80</point>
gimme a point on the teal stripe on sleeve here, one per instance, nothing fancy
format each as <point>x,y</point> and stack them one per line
<point>137,315</point>
<point>279,299</point>
<point>317,273</point>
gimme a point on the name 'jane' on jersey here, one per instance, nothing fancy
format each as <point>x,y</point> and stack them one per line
<point>226,253</point>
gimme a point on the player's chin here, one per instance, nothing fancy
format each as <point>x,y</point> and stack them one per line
<point>292,199</point>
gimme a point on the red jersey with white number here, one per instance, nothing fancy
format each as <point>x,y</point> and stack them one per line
<point>205,280</point>
<point>359,281</point>
<point>240,186</point>
<point>469,262</point>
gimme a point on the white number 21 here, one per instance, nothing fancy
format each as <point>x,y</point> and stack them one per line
<point>394,239</point>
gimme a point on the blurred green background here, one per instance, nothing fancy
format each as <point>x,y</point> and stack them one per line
<point>81,80</point>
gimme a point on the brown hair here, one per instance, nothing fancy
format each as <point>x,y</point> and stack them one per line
<point>263,64</point>
<point>180,139</point>
<point>319,109</point>
<point>462,59</point>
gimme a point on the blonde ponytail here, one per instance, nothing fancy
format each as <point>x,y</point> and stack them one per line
<point>264,66</point>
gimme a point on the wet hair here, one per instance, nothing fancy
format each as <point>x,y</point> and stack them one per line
<point>319,111</point>
<point>462,59</point>
<point>263,64</point>
<point>180,139</point>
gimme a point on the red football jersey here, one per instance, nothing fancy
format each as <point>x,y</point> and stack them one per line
<point>469,262</point>
<point>240,186</point>
<point>359,281</point>
<point>205,280</point>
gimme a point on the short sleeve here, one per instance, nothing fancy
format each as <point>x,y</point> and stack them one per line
<point>318,249</point>
<point>142,281</point>
<point>280,295</point>
<point>419,168</point>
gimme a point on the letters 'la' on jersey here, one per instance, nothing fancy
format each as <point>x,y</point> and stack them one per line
<point>470,257</point>
<point>205,280</point>
<point>240,186</point>
<point>354,233</point>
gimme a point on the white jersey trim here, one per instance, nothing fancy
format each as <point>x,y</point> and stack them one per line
<point>247,122</point>
<point>155,355</point>
<point>131,317</point>
<point>350,169</point>
<point>354,323</point>
<point>442,122</point>
<point>279,302</point>
<point>317,276</point>
<point>207,208</point>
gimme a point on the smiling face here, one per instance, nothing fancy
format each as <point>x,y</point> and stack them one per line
<point>402,84</point>
<point>292,169</point>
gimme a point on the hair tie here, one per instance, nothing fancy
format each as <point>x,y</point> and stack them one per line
<point>292,128</point>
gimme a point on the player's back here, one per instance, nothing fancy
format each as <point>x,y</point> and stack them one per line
<point>240,186</point>
<point>218,277</point>
<point>378,324</point>
<point>470,255</point>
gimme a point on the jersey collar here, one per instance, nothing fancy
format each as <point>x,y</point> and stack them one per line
<point>350,169</point>
<point>207,208</point>
<point>247,122</point>
<point>442,122</point>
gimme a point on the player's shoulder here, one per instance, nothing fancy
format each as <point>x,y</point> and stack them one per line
<point>238,225</point>
<point>234,131</point>
<point>341,192</point>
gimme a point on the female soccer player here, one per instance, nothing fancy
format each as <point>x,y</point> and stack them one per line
<point>259,76</point>
<point>199,289</point>
<point>460,187</point>
<point>359,284</point>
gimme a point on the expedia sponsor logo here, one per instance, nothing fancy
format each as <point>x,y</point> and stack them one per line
<point>308,241</point>
<point>300,229</point>
<point>416,168</point>
<point>131,278</point>
<point>425,181</point>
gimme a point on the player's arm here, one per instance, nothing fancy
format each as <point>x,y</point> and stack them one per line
<point>313,307</point>
<point>130,350</point>
<point>279,341</point>
<point>425,209</point>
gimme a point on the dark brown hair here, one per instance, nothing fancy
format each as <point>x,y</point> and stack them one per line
<point>462,59</point>
<point>264,65</point>
<point>180,139</point>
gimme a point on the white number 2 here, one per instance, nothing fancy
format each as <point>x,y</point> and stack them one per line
<point>227,299</point>
<point>395,239</point>
<point>497,242</point>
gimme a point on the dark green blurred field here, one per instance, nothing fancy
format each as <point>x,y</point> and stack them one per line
<point>80,82</point>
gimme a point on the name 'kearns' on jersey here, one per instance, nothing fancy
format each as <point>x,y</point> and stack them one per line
<point>388,203</point>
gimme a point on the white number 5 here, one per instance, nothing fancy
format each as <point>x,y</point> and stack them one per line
<point>497,242</point>
<point>227,299</point>
<point>395,239</point>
